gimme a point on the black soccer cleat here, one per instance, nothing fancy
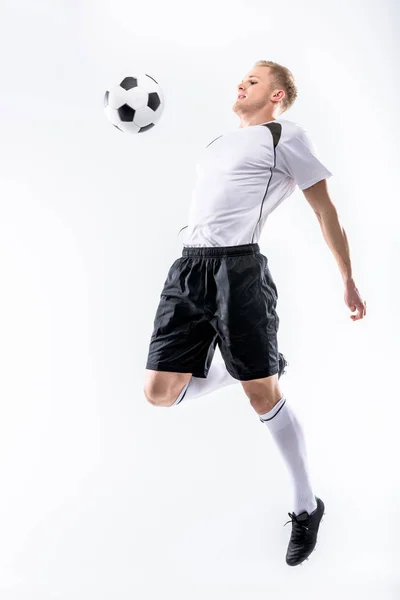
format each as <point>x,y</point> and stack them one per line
<point>283,363</point>
<point>304,534</point>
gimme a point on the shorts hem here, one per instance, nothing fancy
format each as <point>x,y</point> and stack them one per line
<point>249,375</point>
<point>171,368</point>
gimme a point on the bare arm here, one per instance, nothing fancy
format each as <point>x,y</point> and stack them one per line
<point>335,236</point>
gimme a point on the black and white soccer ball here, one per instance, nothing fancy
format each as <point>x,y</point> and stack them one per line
<point>135,105</point>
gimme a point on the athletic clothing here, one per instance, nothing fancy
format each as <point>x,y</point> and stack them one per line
<point>223,296</point>
<point>288,434</point>
<point>220,291</point>
<point>244,175</point>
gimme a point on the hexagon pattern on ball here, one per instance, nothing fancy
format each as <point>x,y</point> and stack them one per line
<point>135,105</point>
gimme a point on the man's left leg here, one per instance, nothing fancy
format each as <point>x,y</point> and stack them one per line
<point>217,378</point>
<point>272,408</point>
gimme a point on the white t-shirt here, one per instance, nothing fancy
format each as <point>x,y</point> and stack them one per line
<point>242,176</point>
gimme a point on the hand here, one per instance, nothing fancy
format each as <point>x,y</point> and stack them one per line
<point>353,300</point>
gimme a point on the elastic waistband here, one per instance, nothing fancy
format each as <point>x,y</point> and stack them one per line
<point>218,251</point>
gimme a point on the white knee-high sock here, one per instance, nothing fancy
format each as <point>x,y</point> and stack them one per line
<point>289,437</point>
<point>217,377</point>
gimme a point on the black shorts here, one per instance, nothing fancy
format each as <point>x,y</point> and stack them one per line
<point>217,295</point>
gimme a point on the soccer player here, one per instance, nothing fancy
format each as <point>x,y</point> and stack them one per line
<point>221,291</point>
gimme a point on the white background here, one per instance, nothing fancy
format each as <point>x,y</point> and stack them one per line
<point>102,495</point>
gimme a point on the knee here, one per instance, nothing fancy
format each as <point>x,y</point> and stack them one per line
<point>163,389</point>
<point>158,397</point>
<point>263,395</point>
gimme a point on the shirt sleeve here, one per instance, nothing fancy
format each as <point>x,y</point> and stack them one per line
<point>300,161</point>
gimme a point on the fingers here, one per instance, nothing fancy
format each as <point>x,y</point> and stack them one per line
<point>361,311</point>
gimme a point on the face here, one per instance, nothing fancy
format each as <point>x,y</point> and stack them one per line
<point>261,102</point>
<point>255,87</point>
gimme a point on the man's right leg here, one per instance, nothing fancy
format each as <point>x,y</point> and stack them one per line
<point>167,389</point>
<point>162,388</point>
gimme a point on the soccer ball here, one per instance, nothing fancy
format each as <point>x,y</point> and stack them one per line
<point>135,105</point>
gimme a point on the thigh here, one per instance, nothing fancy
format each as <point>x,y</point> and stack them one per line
<point>183,340</point>
<point>246,319</point>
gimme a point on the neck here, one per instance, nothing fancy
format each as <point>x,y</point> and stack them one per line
<point>246,121</point>
<point>250,122</point>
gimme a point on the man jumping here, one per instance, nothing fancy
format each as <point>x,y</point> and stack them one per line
<point>221,291</point>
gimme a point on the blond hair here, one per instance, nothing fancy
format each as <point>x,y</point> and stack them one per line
<point>283,79</point>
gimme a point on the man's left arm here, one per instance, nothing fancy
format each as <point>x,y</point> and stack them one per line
<point>318,197</point>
